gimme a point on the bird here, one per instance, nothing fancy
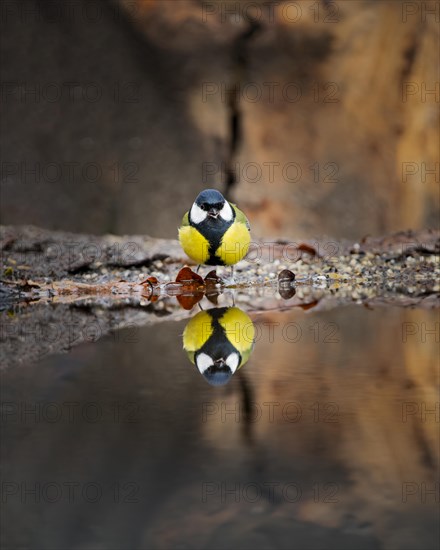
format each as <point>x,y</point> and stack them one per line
<point>214,231</point>
<point>219,341</point>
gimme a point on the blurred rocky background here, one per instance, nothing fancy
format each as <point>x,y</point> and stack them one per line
<point>318,117</point>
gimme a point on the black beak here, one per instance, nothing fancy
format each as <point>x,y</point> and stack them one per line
<point>213,212</point>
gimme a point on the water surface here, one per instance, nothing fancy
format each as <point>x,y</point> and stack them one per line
<point>326,438</point>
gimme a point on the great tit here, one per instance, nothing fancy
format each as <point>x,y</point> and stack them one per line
<point>219,341</point>
<point>214,231</point>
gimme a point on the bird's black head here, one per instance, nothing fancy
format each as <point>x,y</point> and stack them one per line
<point>210,198</point>
<point>217,360</point>
<point>218,374</point>
<point>210,206</point>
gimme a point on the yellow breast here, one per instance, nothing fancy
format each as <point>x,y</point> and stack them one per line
<point>239,330</point>
<point>235,244</point>
<point>195,245</point>
<point>197,331</point>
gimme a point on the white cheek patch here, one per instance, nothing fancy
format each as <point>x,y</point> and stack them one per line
<point>197,215</point>
<point>203,362</point>
<point>226,212</point>
<point>232,361</point>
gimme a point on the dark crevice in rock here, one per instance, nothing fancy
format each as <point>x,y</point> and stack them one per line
<point>239,59</point>
<point>425,452</point>
<point>408,60</point>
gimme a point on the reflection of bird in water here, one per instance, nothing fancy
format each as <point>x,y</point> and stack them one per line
<point>219,341</point>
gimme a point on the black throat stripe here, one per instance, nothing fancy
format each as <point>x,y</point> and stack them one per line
<point>218,346</point>
<point>213,230</point>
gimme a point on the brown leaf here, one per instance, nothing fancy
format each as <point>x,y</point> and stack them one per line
<point>188,302</point>
<point>213,297</point>
<point>212,280</point>
<point>307,248</point>
<point>147,292</point>
<point>187,275</point>
<point>151,281</point>
<point>193,286</point>
<point>212,276</point>
<point>310,305</point>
